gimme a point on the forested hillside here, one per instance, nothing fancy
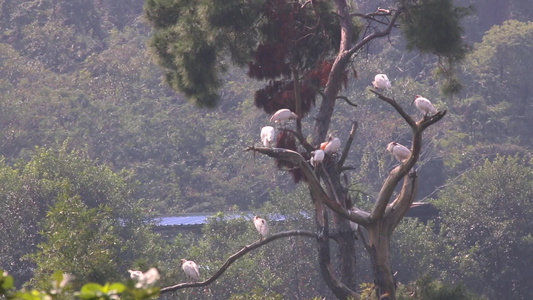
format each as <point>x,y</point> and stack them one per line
<point>78,79</point>
<point>81,71</point>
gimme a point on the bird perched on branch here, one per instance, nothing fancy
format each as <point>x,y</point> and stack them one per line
<point>317,157</point>
<point>381,81</point>
<point>331,146</point>
<point>191,269</point>
<point>262,226</point>
<point>399,151</point>
<point>283,115</point>
<point>267,135</point>
<point>424,105</point>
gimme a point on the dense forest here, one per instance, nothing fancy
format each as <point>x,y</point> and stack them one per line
<point>94,144</point>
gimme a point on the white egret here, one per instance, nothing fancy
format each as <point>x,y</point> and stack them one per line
<point>262,226</point>
<point>191,269</point>
<point>424,105</point>
<point>399,151</point>
<point>283,115</point>
<point>381,81</point>
<point>267,135</point>
<point>317,157</point>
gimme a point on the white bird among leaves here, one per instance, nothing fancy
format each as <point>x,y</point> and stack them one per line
<point>261,225</point>
<point>331,146</point>
<point>283,115</point>
<point>135,275</point>
<point>424,105</point>
<point>381,81</point>
<point>317,157</point>
<point>267,135</point>
<point>191,269</point>
<point>144,279</point>
<point>399,151</point>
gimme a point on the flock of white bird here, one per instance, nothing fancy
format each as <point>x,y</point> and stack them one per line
<point>381,81</point>
<point>400,152</point>
<point>331,146</point>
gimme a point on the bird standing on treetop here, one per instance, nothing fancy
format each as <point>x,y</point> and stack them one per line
<point>381,81</point>
<point>191,269</point>
<point>262,226</point>
<point>400,152</point>
<point>267,135</point>
<point>317,157</point>
<point>331,146</point>
<point>283,115</point>
<point>424,105</point>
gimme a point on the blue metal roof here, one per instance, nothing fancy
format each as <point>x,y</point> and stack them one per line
<point>182,220</point>
<point>201,218</point>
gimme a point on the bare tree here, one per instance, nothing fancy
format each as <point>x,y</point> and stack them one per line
<point>292,56</point>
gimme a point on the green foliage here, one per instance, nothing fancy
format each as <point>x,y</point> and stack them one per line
<point>427,288</point>
<point>257,294</point>
<point>81,241</point>
<point>434,26</point>
<point>424,288</point>
<point>189,53</point>
<point>283,267</point>
<point>60,288</point>
<point>485,217</point>
<point>192,40</point>
<point>500,96</point>
<point>66,72</point>
<point>6,283</point>
<point>418,249</point>
<point>72,214</point>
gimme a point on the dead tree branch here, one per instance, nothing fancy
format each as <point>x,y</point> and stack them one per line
<point>238,255</point>
<point>407,194</point>
<point>348,145</point>
<point>314,185</point>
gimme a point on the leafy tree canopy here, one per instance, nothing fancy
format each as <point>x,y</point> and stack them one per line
<point>193,41</point>
<point>486,217</point>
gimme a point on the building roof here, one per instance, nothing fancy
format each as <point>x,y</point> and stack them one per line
<point>418,210</point>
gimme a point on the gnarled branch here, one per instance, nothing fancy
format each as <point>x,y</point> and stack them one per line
<point>314,185</point>
<point>409,188</point>
<point>238,255</point>
<point>398,108</point>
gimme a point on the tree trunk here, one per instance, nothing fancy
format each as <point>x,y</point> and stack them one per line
<point>343,231</point>
<point>340,290</point>
<point>379,250</point>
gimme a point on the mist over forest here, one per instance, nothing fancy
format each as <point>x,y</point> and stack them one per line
<point>95,144</point>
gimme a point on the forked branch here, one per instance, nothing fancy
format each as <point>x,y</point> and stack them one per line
<point>409,188</point>
<point>314,185</point>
